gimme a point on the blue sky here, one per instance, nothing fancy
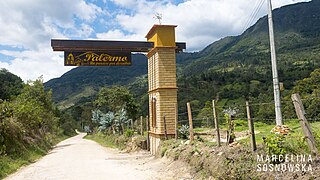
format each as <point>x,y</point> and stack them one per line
<point>28,26</point>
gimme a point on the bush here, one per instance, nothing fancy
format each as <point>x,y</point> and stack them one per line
<point>184,132</point>
<point>275,145</point>
<point>129,133</point>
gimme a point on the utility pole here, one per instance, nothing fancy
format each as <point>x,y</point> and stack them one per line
<point>276,89</point>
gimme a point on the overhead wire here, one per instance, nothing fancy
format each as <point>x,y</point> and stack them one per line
<point>254,13</point>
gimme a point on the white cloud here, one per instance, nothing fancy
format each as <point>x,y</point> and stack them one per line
<point>29,25</point>
<point>30,65</point>
<point>117,34</point>
<point>200,22</point>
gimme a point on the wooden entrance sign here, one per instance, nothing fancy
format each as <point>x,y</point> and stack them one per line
<point>161,51</point>
<point>90,58</point>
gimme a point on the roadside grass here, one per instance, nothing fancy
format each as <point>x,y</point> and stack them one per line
<point>237,161</point>
<point>112,141</point>
<point>295,139</point>
<point>11,163</point>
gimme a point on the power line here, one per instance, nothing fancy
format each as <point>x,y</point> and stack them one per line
<point>253,15</point>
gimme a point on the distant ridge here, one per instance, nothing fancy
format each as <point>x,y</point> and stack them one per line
<point>233,68</point>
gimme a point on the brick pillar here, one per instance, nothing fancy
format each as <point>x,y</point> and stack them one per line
<point>162,83</point>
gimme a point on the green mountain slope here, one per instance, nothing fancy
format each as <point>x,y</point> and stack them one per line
<point>82,82</point>
<point>233,68</point>
<point>239,67</point>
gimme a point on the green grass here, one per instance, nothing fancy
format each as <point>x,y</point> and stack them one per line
<point>295,139</point>
<point>202,129</point>
<point>112,141</point>
<point>102,139</point>
<point>11,163</point>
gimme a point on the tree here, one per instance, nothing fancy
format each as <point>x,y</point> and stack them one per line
<point>10,85</point>
<point>309,88</point>
<point>29,119</point>
<point>34,108</point>
<point>116,98</point>
<point>110,120</point>
<point>120,120</point>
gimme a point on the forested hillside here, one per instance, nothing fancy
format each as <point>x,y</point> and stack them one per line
<point>90,79</point>
<point>232,69</point>
<point>237,68</point>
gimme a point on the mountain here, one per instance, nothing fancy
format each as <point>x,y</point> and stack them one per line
<point>234,68</point>
<point>238,68</point>
<point>83,82</point>
<point>297,29</point>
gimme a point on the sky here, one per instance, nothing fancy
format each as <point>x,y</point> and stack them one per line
<point>27,26</point>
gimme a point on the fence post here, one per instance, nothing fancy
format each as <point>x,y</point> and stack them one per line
<point>141,125</point>
<point>190,122</point>
<point>148,128</point>
<point>176,121</point>
<point>215,117</point>
<point>251,128</point>
<point>229,129</point>
<point>165,127</point>
<point>304,123</point>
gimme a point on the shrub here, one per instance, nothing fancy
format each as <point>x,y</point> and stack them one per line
<point>275,145</point>
<point>184,132</point>
<point>129,133</point>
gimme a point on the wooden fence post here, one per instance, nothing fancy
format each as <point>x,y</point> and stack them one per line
<point>215,117</point>
<point>141,125</point>
<point>304,123</point>
<point>165,127</point>
<point>176,121</point>
<point>251,128</point>
<point>148,129</point>
<point>190,122</point>
<point>229,129</point>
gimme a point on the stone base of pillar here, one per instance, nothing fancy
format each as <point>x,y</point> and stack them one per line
<point>155,140</point>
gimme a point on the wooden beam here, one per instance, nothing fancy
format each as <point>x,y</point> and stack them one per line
<point>99,45</point>
<point>103,45</point>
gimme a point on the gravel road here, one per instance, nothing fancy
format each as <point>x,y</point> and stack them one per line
<point>77,158</point>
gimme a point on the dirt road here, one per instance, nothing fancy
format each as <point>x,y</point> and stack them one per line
<point>77,158</point>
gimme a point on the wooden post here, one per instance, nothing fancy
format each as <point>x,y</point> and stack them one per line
<point>215,117</point>
<point>190,122</point>
<point>228,130</point>
<point>148,138</point>
<point>165,127</point>
<point>251,128</point>
<point>304,123</point>
<point>176,121</point>
<point>132,127</point>
<point>141,125</point>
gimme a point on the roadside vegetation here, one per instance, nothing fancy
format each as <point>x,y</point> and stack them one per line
<point>112,121</point>
<point>237,161</point>
<point>111,126</point>
<point>29,122</point>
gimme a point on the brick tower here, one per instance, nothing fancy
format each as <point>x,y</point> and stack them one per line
<point>162,84</point>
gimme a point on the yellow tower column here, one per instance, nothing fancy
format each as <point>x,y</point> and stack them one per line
<point>162,84</point>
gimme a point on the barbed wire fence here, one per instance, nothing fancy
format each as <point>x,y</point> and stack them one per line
<point>260,112</point>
